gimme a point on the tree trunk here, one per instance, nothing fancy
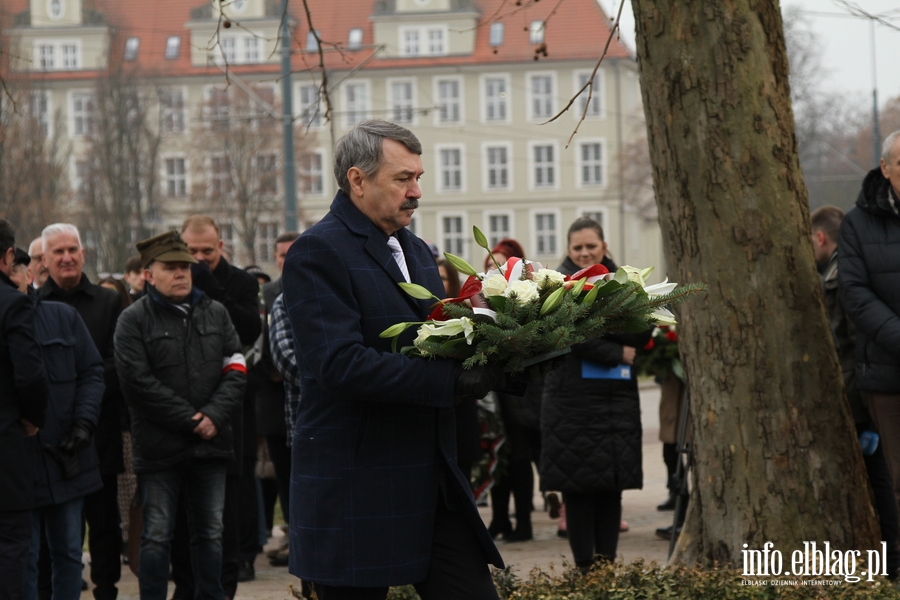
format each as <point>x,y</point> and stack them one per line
<point>775,454</point>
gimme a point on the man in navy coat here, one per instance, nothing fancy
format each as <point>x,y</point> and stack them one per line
<point>376,496</point>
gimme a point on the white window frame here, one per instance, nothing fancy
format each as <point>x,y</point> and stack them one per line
<point>75,180</point>
<point>177,114</point>
<point>252,50</point>
<point>43,118</point>
<point>312,120</point>
<point>460,100</point>
<point>354,38</point>
<point>212,176</point>
<point>184,176</point>
<point>600,84</point>
<point>351,109</point>
<point>392,101</point>
<point>132,47</point>
<point>462,236</point>
<point>535,234</point>
<point>410,41</point>
<point>485,167</point>
<point>492,237</point>
<point>415,225</point>
<point>532,114</point>
<point>57,45</point>
<point>592,211</point>
<point>87,128</point>
<point>532,165</point>
<point>495,37</point>
<point>579,163</point>
<point>536,31</point>
<point>301,173</point>
<point>439,168</point>
<point>483,101</point>
<point>416,40</point>
<point>173,47</point>
<point>266,234</point>
<point>217,119</point>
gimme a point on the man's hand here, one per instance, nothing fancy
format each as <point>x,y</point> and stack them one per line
<point>78,438</point>
<point>628,354</point>
<point>476,382</point>
<point>30,428</point>
<point>206,429</point>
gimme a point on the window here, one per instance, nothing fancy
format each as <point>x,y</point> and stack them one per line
<point>544,166</point>
<point>226,234</point>
<point>131,48</point>
<point>218,108</point>
<point>498,228</point>
<point>448,101</point>
<point>497,167</point>
<point>356,103</point>
<point>495,99</point>
<point>46,57</point>
<point>436,45</point>
<point>70,56</point>
<point>220,182</point>
<point>423,41</point>
<point>40,111</point>
<point>541,96</point>
<point>173,46</point>
<point>536,32</point>
<point>57,55</point>
<point>228,47</point>
<point>496,37</point>
<point>312,44</point>
<point>545,233</point>
<point>354,41</point>
<point>171,103</point>
<point>453,240</point>
<point>267,174</point>
<point>594,110</point>
<point>591,163</point>
<point>83,114</point>
<point>402,101</point>
<point>411,42</point>
<point>176,177</point>
<point>450,169</point>
<point>597,215</point>
<point>55,9</point>
<point>81,177</point>
<point>311,182</point>
<point>309,105</point>
<point>266,234</point>
<point>261,108</point>
<point>251,49</point>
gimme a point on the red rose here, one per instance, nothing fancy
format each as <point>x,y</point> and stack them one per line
<point>649,345</point>
<point>671,336</point>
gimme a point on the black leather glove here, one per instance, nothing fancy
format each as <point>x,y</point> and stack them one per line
<point>203,278</point>
<point>476,382</point>
<point>78,438</point>
<point>68,461</point>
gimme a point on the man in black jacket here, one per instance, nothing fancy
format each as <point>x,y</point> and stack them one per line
<point>869,273</point>
<point>23,400</point>
<point>183,376</point>
<point>238,291</point>
<point>63,255</point>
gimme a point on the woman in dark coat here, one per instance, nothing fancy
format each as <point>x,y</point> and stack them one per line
<point>591,428</point>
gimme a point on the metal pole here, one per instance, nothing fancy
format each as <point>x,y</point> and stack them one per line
<point>287,124</point>
<point>876,130</point>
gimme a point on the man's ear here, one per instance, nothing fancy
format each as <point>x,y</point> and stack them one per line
<point>8,257</point>
<point>355,177</point>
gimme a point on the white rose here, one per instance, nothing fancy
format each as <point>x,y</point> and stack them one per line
<point>493,285</point>
<point>549,275</point>
<point>525,290</point>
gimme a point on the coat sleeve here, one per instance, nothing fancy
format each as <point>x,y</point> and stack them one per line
<point>89,370</point>
<point>872,317</point>
<point>319,297</point>
<point>281,343</point>
<point>28,365</point>
<point>144,392</point>
<point>607,350</point>
<point>230,392</point>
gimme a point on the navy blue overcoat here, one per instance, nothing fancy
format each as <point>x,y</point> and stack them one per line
<point>375,429</point>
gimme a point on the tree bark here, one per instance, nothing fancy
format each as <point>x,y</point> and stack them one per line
<point>775,454</point>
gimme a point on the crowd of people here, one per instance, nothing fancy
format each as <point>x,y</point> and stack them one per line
<point>164,412</point>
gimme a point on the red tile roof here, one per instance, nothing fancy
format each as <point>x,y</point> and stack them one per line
<point>577,29</point>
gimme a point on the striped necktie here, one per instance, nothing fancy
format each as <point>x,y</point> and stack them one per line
<point>397,251</point>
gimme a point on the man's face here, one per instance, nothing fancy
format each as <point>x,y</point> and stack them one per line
<point>281,250</point>
<point>204,245</point>
<point>21,276</point>
<point>64,258</point>
<point>891,168</point>
<point>135,280</point>
<point>389,198</point>
<point>36,267</point>
<point>171,279</point>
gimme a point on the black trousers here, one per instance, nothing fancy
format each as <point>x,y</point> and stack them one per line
<point>458,571</point>
<point>280,453</point>
<point>15,543</point>
<point>593,522</point>
<point>886,505</point>
<point>101,511</point>
<point>524,445</point>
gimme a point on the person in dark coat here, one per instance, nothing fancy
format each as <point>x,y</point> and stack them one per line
<point>591,428</point>
<point>183,375</point>
<point>99,308</point>
<point>23,401</point>
<point>64,457</point>
<point>377,498</point>
<point>869,275</point>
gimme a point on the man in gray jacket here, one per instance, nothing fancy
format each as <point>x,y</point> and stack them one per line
<point>183,375</point>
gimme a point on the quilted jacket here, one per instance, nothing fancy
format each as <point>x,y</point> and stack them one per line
<point>591,428</point>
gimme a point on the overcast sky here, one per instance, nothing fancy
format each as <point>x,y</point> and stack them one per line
<point>846,44</point>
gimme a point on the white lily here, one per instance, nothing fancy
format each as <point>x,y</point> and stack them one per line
<point>660,289</point>
<point>448,328</point>
<point>663,316</point>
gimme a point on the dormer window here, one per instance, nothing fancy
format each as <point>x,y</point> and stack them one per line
<point>173,46</point>
<point>536,32</point>
<point>496,38</point>
<point>423,41</point>
<point>312,44</point>
<point>355,39</point>
<point>131,48</point>
<point>55,9</point>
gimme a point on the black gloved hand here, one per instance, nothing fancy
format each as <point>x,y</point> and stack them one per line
<point>476,382</point>
<point>68,461</point>
<point>203,278</point>
<point>78,438</point>
<point>537,372</point>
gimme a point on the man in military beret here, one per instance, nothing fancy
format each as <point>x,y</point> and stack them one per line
<point>183,375</point>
